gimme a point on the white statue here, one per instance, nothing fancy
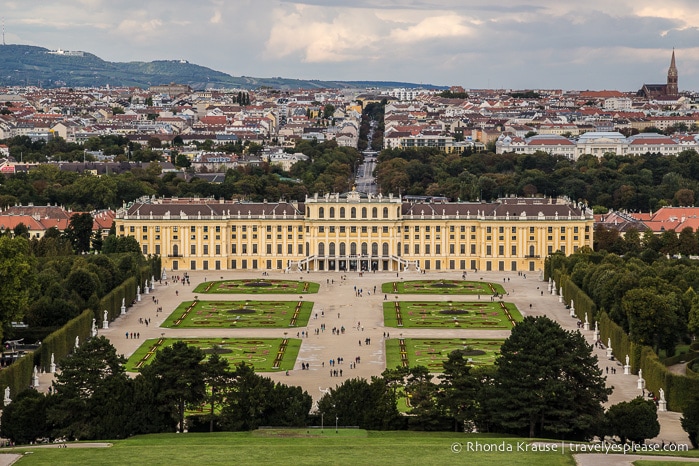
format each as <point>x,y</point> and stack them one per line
<point>7,393</point>
<point>77,342</point>
<point>627,359</point>
<point>94,323</point>
<point>123,302</point>
<point>640,374</point>
<point>52,362</point>
<point>662,394</point>
<point>106,314</point>
<point>609,342</point>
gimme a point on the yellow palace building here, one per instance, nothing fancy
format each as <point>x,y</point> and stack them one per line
<point>356,232</point>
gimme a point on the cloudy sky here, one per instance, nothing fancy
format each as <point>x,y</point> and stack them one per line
<point>591,44</point>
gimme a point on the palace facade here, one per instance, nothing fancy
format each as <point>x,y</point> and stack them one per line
<point>356,232</point>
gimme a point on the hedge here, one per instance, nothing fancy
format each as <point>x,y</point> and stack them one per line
<point>61,342</point>
<point>18,376</point>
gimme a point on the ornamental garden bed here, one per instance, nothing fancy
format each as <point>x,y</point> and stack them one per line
<point>264,354</point>
<point>433,314</point>
<point>258,286</point>
<point>240,314</point>
<point>432,352</point>
<point>442,287</point>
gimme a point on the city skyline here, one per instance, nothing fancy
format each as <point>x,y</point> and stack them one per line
<point>515,44</point>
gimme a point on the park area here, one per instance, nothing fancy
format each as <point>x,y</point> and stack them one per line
<point>265,354</point>
<point>255,286</point>
<point>439,314</point>
<point>442,287</point>
<point>239,314</point>
<point>432,352</point>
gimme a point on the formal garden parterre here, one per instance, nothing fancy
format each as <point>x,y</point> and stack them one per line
<point>264,354</point>
<point>258,286</point>
<point>432,352</point>
<point>240,314</point>
<point>442,287</point>
<point>438,314</point>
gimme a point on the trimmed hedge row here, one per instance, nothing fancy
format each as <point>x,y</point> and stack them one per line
<point>61,342</point>
<point>127,291</point>
<point>18,376</point>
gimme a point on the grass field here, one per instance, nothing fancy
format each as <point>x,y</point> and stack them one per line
<point>432,352</point>
<point>258,286</point>
<point>442,287</point>
<point>303,446</point>
<point>262,353</point>
<point>432,314</point>
<point>239,314</point>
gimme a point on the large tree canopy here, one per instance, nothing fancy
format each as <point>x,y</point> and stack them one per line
<point>546,382</point>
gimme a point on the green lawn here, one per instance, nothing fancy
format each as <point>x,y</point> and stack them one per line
<point>442,287</point>
<point>432,314</point>
<point>239,314</point>
<point>258,352</point>
<point>432,352</point>
<point>258,286</point>
<point>303,446</point>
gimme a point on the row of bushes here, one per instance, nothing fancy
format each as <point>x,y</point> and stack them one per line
<point>582,304</point>
<point>61,342</point>
<point>18,376</point>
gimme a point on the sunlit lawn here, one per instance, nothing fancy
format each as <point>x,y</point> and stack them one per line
<point>432,352</point>
<point>258,352</point>
<point>437,314</point>
<point>442,287</point>
<point>258,286</point>
<point>240,314</point>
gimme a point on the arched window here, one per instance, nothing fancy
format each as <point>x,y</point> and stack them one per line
<point>332,212</point>
<point>374,249</point>
<point>363,212</point>
<point>321,212</point>
<point>531,251</point>
<point>353,249</point>
<point>331,246</point>
<point>342,212</point>
<point>364,249</point>
<point>321,249</point>
<point>384,249</point>
<point>374,213</point>
<point>385,212</point>
<point>175,250</point>
<point>343,249</point>
<point>353,212</point>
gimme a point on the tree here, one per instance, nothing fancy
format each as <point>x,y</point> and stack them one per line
<point>24,420</point>
<point>635,420</point>
<point>653,312</point>
<point>546,382</point>
<point>79,232</point>
<point>176,376</point>
<point>17,277</point>
<point>92,394</point>
<point>217,377</point>
<point>689,420</point>
<point>458,389</point>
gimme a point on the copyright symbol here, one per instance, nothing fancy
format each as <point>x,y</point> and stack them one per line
<point>456,447</point>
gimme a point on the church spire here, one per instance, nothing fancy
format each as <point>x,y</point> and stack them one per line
<point>672,88</point>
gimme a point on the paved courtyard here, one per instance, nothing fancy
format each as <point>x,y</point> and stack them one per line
<point>338,304</point>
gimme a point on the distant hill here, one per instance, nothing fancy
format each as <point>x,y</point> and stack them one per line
<point>37,66</point>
